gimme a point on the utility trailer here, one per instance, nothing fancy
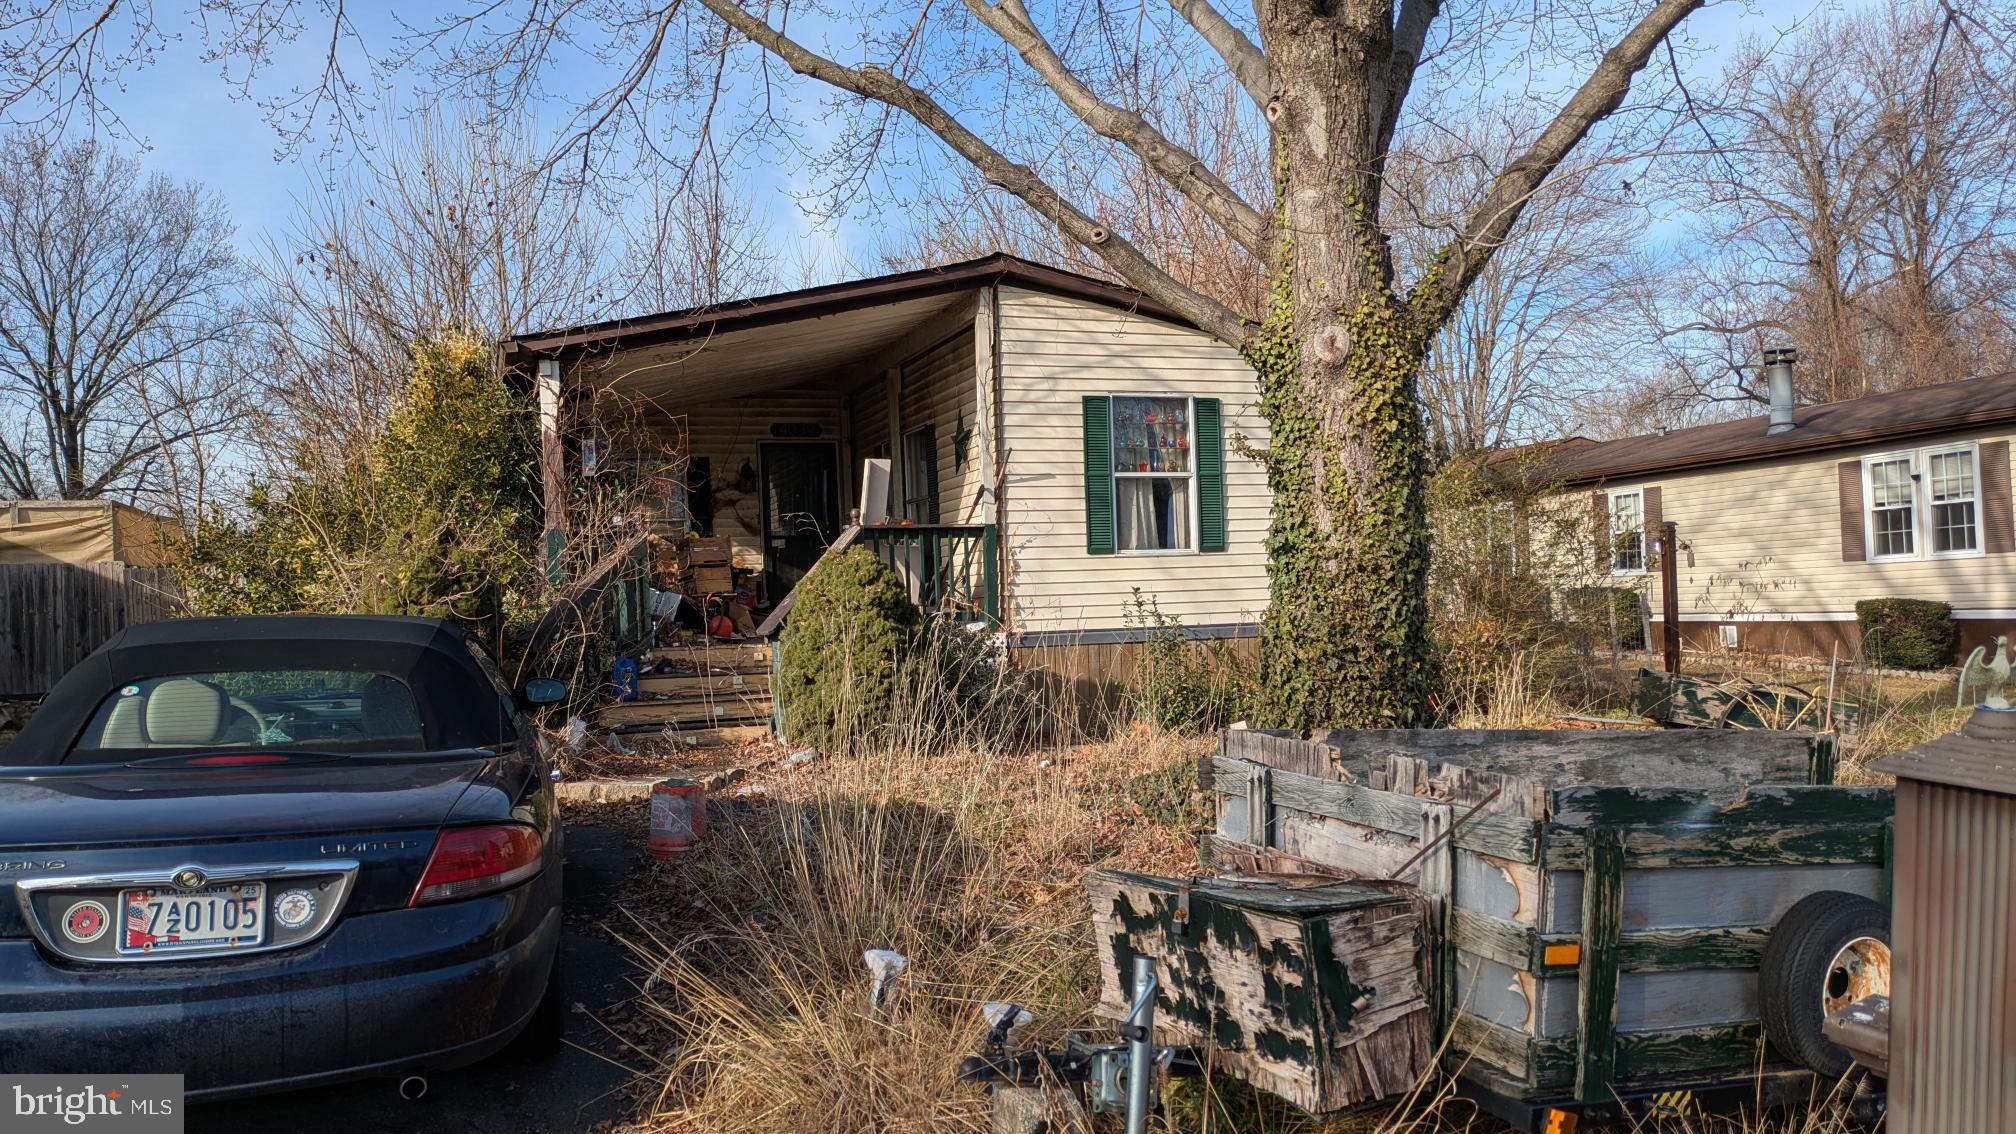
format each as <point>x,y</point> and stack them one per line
<point>1586,928</point>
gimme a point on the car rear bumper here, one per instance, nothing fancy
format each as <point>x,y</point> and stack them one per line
<point>434,987</point>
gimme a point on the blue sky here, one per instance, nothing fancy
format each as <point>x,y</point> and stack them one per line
<point>195,125</point>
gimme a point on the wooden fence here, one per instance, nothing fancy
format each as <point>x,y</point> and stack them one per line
<point>53,614</point>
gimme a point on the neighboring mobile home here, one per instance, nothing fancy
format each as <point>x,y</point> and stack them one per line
<point>1786,520</point>
<point>1075,436</point>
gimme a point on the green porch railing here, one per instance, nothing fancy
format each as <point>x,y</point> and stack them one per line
<point>951,569</point>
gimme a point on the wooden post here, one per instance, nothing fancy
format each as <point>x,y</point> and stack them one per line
<point>552,466</point>
<point>1602,931</point>
<point>1669,592</point>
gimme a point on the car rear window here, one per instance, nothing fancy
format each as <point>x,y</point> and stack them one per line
<point>271,710</point>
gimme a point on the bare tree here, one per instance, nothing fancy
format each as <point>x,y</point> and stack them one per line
<point>1551,315</point>
<point>699,243</point>
<point>112,282</point>
<point>447,227</point>
<point>1857,205</point>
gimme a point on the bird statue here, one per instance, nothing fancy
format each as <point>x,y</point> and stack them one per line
<point>1991,677</point>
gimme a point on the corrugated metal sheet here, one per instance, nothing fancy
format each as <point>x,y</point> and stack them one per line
<point>1953,1037</point>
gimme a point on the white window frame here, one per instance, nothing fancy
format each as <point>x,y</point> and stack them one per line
<point>1921,503</point>
<point>1973,451</point>
<point>1644,548</point>
<point>1112,447</point>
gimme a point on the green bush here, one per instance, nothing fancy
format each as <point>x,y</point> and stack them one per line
<point>1906,633</point>
<point>851,629</point>
<point>1181,685</point>
<point>436,518</point>
<point>1599,608</point>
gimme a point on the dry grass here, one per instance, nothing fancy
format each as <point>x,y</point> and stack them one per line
<point>969,865</point>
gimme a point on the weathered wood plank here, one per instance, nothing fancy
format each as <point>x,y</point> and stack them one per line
<point>1503,836</point>
<point>1728,845</point>
<point>1719,896</point>
<point>52,615</point>
<point>1602,923</point>
<point>1758,805</point>
<point>1688,759</point>
<point>1474,1039</point>
<point>1313,993</point>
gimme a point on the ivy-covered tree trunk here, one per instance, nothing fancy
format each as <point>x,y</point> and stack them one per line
<point>1345,642</point>
<point>1346,636</point>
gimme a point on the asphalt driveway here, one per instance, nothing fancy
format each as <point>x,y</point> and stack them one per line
<point>510,1094</point>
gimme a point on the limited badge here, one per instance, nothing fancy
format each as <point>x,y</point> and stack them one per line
<point>293,908</point>
<point>86,922</point>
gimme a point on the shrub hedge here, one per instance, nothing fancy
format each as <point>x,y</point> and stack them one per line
<point>852,625</point>
<point>1906,633</point>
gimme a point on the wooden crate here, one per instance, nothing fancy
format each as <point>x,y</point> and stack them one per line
<point>1312,991</point>
<point>710,580</point>
<point>1604,900</point>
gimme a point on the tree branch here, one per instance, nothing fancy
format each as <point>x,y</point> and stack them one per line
<point>1176,165</point>
<point>1410,38</point>
<point>877,83</point>
<point>1246,61</point>
<point>1485,228</point>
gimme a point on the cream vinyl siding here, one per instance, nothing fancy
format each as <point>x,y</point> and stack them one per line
<point>1053,351</point>
<point>938,388</point>
<point>728,433</point>
<point>1766,541</point>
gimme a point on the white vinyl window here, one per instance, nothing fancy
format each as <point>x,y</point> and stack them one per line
<point>1154,475</point>
<point>1923,502</point>
<point>1627,533</point>
<point>1893,511</point>
<point>1953,516</point>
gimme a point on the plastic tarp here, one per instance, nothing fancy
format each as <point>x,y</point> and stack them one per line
<point>93,531</point>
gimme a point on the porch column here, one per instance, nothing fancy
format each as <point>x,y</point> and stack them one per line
<point>983,403</point>
<point>552,467</point>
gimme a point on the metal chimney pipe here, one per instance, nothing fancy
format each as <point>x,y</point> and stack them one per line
<point>1778,373</point>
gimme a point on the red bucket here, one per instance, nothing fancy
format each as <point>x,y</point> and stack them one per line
<point>678,817</point>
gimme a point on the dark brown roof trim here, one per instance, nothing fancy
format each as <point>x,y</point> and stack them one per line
<point>1752,454</point>
<point>830,299</point>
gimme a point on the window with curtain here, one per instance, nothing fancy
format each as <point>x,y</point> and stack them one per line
<point>1154,474</point>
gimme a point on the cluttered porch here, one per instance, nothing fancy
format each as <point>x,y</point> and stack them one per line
<point>696,471</point>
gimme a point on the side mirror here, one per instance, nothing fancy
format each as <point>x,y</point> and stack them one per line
<point>545,691</point>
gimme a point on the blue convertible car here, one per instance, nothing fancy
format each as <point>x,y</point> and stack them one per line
<point>269,852</point>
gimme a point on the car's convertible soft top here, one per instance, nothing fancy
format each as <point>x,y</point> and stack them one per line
<point>431,657</point>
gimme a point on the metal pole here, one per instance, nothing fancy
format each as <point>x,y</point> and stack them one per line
<point>1669,592</point>
<point>1140,1045</point>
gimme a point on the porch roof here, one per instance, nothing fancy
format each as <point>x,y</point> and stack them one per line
<point>792,338</point>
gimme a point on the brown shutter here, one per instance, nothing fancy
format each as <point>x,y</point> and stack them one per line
<point>1998,521</point>
<point>1599,534</point>
<point>1852,547</point>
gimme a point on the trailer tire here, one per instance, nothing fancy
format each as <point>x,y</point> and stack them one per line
<point>1829,950</point>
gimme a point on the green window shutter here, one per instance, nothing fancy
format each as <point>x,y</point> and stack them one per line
<point>1099,475</point>
<point>1210,415</point>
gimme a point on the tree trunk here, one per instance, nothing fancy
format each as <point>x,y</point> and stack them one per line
<point>1345,641</point>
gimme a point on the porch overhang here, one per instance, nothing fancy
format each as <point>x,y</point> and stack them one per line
<point>817,335</point>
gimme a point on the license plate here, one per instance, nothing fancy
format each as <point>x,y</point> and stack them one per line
<point>172,921</point>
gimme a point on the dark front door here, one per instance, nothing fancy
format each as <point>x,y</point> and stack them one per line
<point>801,508</point>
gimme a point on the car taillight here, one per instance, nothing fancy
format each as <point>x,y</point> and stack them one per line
<point>478,860</point>
<point>246,758</point>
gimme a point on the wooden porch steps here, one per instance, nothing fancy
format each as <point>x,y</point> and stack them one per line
<point>712,687</point>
